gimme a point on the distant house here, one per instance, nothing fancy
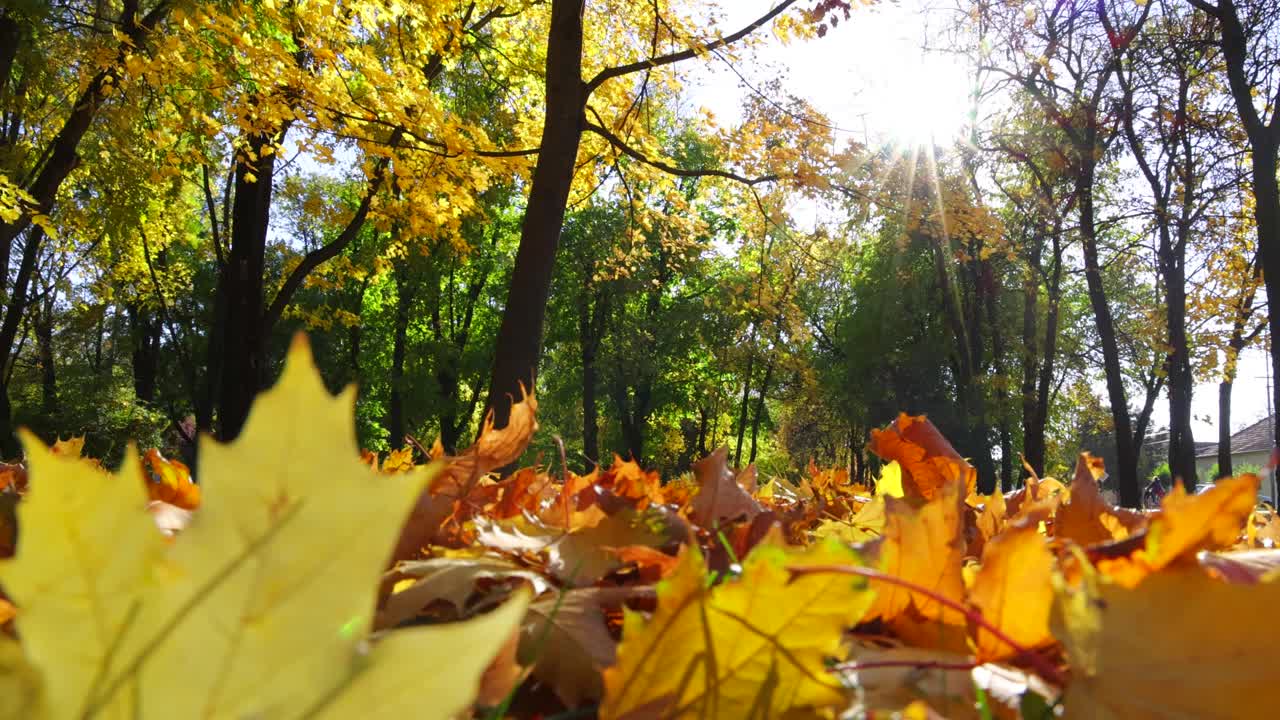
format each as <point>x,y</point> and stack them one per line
<point>1250,446</point>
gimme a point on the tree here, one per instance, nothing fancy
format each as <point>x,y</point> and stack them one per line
<point>1247,39</point>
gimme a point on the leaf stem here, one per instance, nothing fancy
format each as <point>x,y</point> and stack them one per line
<point>1042,666</point>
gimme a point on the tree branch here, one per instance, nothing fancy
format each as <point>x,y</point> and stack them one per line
<point>327,252</point>
<point>634,154</point>
<point>660,60</point>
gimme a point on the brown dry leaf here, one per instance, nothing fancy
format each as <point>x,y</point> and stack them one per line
<point>582,557</point>
<point>1014,592</point>
<point>422,526</point>
<point>928,461</point>
<point>1179,645</point>
<point>721,497</point>
<point>566,640</point>
<point>451,579</point>
<point>520,493</point>
<point>494,449</point>
<point>925,546</point>
<point>626,479</point>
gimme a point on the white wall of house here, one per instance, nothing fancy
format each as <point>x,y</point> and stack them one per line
<point>1257,458</point>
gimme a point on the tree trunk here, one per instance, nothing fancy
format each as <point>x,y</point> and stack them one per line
<point>1035,443</point>
<point>395,411</point>
<point>1030,357</point>
<point>755,421</point>
<point>12,320</point>
<point>590,328</point>
<point>145,332</point>
<point>1224,427</point>
<point>242,345</point>
<point>519,342</point>
<point>744,406</point>
<point>48,370</point>
<point>1182,445</point>
<point>1126,453</point>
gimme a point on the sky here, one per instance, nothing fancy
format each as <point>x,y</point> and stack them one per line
<point>874,79</point>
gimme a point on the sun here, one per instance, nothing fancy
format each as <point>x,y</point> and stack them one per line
<point>920,99</point>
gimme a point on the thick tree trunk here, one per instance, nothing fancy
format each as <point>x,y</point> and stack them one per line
<point>519,342</point>
<point>1126,453</point>
<point>242,345</point>
<point>145,332</point>
<point>12,320</point>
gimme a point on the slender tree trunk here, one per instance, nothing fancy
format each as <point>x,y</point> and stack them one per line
<point>48,369</point>
<point>395,411</point>
<point>1126,453</point>
<point>519,342</point>
<point>759,413</point>
<point>1030,356</point>
<point>1224,427</point>
<point>1035,442</point>
<point>743,407</point>
<point>590,327</point>
<point>1182,446</point>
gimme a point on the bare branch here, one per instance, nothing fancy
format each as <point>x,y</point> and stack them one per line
<point>660,60</point>
<point>634,154</point>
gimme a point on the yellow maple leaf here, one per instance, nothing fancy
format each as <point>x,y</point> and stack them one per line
<point>1179,645</point>
<point>262,607</point>
<point>1013,590</point>
<point>923,546</point>
<point>754,647</point>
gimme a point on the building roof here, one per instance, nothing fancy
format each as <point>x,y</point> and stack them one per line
<point>1254,438</point>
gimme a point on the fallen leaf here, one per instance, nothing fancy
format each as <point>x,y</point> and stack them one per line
<point>1014,592</point>
<point>260,608</point>
<point>1087,518</point>
<point>720,497</point>
<point>582,557</point>
<point>1178,645</point>
<point>495,447</point>
<point>451,579</point>
<point>716,652</point>
<point>169,481</point>
<point>927,460</point>
<point>924,546</point>
<point>567,642</point>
